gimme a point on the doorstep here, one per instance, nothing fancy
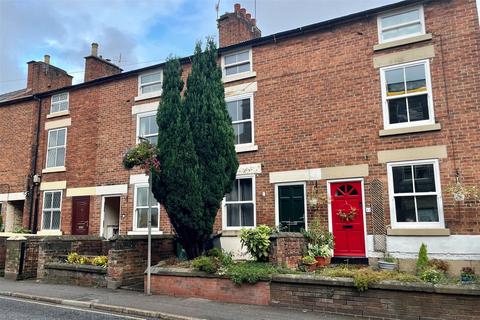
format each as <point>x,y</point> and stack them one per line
<point>350,260</point>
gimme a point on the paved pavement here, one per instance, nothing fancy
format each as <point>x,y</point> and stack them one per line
<point>20,309</point>
<point>188,307</point>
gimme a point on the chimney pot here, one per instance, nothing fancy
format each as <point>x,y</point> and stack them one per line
<point>46,59</point>
<point>94,51</point>
<point>237,7</point>
<point>248,16</point>
<point>254,21</point>
<point>243,11</point>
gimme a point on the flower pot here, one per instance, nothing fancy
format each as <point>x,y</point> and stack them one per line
<point>384,265</point>
<point>322,261</point>
<point>467,278</point>
<point>310,267</point>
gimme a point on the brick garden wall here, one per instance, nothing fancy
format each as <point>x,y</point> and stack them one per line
<point>286,249</point>
<point>78,275</point>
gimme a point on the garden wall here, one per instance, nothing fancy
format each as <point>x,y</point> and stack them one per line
<point>79,275</point>
<point>392,300</point>
<point>287,249</point>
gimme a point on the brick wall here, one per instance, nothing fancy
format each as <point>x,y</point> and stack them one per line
<point>286,249</point>
<point>77,275</point>
<point>395,301</point>
<point>96,67</point>
<point>236,27</point>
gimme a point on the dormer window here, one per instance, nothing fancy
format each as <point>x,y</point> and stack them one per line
<point>401,24</point>
<point>59,102</point>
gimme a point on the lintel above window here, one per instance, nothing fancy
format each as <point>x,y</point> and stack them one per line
<point>401,24</point>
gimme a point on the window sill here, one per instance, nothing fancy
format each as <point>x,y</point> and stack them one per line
<point>239,76</point>
<point>414,129</point>
<point>246,148</point>
<point>148,96</point>
<point>58,114</point>
<point>434,232</point>
<point>50,232</point>
<point>143,233</point>
<point>402,42</point>
<point>54,169</point>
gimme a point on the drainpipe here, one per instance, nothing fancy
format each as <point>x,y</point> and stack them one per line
<point>33,192</point>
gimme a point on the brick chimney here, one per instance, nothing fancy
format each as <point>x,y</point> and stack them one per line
<point>237,26</point>
<point>97,67</point>
<point>42,76</point>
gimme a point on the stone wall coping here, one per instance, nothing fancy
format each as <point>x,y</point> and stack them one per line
<point>182,272</point>
<point>286,235</point>
<point>472,290</point>
<point>141,237</point>
<point>76,267</point>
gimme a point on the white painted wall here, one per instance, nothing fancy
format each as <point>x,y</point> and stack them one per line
<point>233,245</point>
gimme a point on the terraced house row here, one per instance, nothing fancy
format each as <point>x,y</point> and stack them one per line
<point>360,122</point>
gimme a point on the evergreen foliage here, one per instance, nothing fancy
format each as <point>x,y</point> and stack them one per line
<point>422,261</point>
<point>196,148</point>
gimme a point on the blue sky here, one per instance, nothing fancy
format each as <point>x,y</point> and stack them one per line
<point>134,33</point>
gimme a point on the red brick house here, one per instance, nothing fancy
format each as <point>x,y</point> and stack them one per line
<point>360,122</point>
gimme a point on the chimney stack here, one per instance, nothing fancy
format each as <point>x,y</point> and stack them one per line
<point>42,76</point>
<point>236,27</point>
<point>97,67</point>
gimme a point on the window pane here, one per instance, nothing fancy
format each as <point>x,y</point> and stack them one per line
<point>231,59</point>
<point>153,140</point>
<point>230,70</point>
<point>415,78</point>
<point>52,138</point>
<point>418,107</point>
<point>427,208</point>
<point>56,200</point>
<point>246,189</point>
<point>397,110</point>
<point>60,160</point>
<point>243,56</point>
<point>400,18</point>
<point>56,220</point>
<point>142,218</point>
<point>151,88</point>
<point>154,218</point>
<point>47,216</point>
<point>247,214</point>
<point>150,78</point>
<point>61,137</point>
<point>233,195</point>
<point>48,200</point>
<point>63,106</point>
<point>405,209</point>
<point>424,178</point>
<point>245,132</point>
<point>402,179</point>
<point>51,157</point>
<point>395,82</point>
<point>232,110</point>
<point>402,31</point>
<point>244,109</point>
<point>144,126</point>
<point>55,107</point>
<point>142,196</point>
<point>244,67</point>
<point>153,124</point>
<point>233,215</point>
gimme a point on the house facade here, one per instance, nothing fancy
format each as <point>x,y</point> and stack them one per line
<point>360,123</point>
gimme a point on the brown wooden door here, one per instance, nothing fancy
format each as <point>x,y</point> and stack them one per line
<point>80,215</point>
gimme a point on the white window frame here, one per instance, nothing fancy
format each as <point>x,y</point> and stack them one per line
<point>135,228</point>
<point>438,192</point>
<point>143,115</point>
<point>240,74</point>
<point>58,102</point>
<point>397,12</point>
<point>56,147</point>
<point>52,209</point>
<point>245,146</point>
<point>150,94</point>
<point>428,80</point>
<point>254,200</point>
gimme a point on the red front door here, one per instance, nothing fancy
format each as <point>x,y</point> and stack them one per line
<point>80,215</point>
<point>347,219</point>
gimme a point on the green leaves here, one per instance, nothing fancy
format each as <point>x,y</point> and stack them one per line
<point>257,241</point>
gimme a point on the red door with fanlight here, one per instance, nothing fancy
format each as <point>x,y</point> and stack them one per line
<point>347,219</point>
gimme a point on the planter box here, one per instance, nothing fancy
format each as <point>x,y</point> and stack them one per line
<point>74,274</point>
<point>190,283</point>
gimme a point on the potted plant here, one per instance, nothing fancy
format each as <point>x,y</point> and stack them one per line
<point>319,243</point>
<point>309,263</point>
<point>322,253</point>
<point>467,275</point>
<point>388,262</point>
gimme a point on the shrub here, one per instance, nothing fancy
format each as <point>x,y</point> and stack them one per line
<point>101,261</point>
<point>432,275</point>
<point>308,260</point>
<point>225,258</point>
<point>319,239</point>
<point>257,241</point>
<point>250,272</point>
<point>438,264</point>
<point>21,230</point>
<point>318,250</point>
<point>206,264</point>
<point>422,261</point>
<point>73,257</point>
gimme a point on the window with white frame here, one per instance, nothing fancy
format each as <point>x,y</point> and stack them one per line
<point>150,83</point>
<point>238,62</point>
<point>415,195</point>
<point>59,102</point>
<point>57,142</point>
<point>239,205</point>
<point>401,24</point>
<point>407,95</point>
<point>52,208</point>
<point>147,126</point>
<point>142,193</point>
<point>241,111</point>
